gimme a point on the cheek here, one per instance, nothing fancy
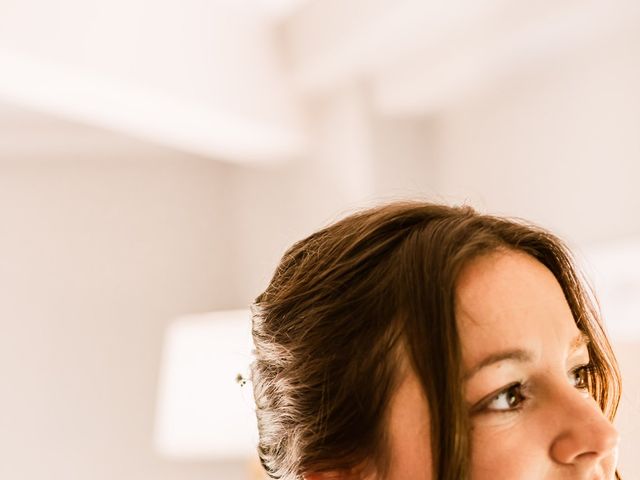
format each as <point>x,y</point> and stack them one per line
<point>408,435</point>
<point>411,450</point>
<point>520,448</point>
<point>507,451</point>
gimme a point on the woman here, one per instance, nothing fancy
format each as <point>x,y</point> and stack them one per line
<point>416,341</point>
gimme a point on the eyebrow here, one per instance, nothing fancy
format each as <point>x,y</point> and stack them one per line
<point>579,341</point>
<point>517,355</point>
<point>521,355</point>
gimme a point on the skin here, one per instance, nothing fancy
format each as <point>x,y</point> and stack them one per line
<point>550,428</point>
<point>531,416</point>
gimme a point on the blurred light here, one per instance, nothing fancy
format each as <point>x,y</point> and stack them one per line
<point>270,10</point>
<point>203,412</point>
<point>614,269</point>
<point>278,9</point>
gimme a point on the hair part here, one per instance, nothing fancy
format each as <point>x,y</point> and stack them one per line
<point>350,303</point>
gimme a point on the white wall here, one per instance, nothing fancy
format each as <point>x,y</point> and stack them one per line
<point>99,253</point>
<point>558,145</point>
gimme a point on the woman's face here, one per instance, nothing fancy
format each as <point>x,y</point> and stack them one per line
<point>525,360</point>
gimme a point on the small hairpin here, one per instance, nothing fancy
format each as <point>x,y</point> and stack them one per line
<point>240,380</point>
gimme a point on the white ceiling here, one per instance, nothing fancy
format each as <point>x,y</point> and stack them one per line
<point>190,75</point>
<point>230,79</point>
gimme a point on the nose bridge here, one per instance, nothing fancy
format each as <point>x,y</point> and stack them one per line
<point>582,432</point>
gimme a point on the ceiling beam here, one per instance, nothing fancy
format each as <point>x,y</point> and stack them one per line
<point>190,75</point>
<point>418,56</point>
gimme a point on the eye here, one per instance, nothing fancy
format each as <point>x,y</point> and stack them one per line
<point>579,376</point>
<point>509,399</point>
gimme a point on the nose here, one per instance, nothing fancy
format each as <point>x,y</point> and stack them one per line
<point>585,435</point>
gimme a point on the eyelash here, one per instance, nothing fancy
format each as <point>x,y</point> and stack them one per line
<point>519,392</point>
<point>585,373</point>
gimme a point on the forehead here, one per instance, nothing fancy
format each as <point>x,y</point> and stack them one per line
<point>508,298</point>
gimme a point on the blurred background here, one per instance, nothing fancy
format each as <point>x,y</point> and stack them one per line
<point>157,158</point>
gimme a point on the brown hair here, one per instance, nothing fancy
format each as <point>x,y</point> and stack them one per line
<point>342,303</point>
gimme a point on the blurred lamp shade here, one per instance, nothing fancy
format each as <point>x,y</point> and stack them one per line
<point>203,412</point>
